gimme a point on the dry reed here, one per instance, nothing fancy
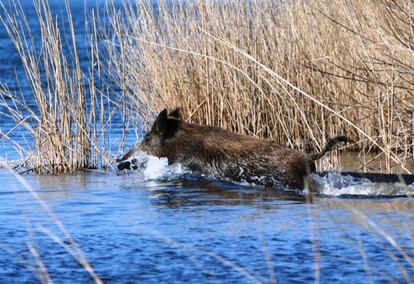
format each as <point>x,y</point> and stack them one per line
<point>295,71</point>
<point>68,109</point>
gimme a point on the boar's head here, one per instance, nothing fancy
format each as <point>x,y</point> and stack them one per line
<point>164,127</point>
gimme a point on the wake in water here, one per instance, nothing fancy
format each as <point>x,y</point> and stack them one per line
<point>337,184</point>
<point>151,168</point>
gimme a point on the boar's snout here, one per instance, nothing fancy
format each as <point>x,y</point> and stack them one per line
<point>128,165</point>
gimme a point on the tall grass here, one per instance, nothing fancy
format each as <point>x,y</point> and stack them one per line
<point>293,71</point>
<point>62,123</point>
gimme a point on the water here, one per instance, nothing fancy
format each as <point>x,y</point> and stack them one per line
<point>162,224</point>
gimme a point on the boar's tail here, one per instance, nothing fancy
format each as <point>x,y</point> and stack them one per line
<point>328,147</point>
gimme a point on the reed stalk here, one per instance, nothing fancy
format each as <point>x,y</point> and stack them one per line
<point>297,72</point>
<point>62,123</point>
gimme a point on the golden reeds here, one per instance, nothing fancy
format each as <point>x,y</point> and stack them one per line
<point>296,71</point>
<point>63,122</point>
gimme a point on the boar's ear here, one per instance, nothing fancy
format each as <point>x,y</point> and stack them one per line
<point>160,124</point>
<point>173,125</point>
<point>176,113</point>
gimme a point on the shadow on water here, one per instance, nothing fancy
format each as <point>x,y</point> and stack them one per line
<point>353,188</point>
<point>205,192</point>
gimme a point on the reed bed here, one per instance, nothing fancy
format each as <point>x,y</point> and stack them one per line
<point>294,71</point>
<point>297,72</point>
<point>65,127</point>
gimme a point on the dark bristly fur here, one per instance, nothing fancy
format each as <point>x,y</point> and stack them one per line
<point>214,151</point>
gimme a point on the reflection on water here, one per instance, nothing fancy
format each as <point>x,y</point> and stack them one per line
<point>197,193</point>
<point>133,230</point>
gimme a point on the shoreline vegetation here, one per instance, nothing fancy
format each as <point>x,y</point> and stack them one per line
<point>298,72</point>
<point>293,71</point>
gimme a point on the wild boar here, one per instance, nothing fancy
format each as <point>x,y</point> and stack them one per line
<point>213,151</point>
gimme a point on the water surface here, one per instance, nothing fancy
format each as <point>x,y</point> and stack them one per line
<point>164,225</point>
<point>201,231</point>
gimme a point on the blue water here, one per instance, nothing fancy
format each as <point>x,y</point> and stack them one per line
<point>171,229</point>
<point>200,231</point>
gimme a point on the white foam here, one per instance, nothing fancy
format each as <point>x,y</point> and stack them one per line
<point>152,168</point>
<point>334,184</point>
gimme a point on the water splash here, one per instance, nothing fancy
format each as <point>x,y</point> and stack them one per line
<point>335,184</point>
<point>150,168</point>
